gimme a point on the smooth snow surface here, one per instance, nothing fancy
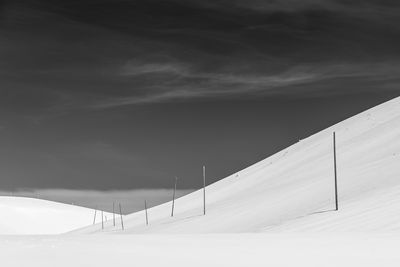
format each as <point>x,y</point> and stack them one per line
<point>219,250</point>
<point>293,190</point>
<point>30,216</point>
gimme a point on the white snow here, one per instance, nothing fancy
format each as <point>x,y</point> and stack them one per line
<point>30,216</point>
<point>216,250</point>
<point>293,190</point>
<point>278,212</point>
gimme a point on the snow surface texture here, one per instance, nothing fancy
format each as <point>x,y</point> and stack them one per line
<point>29,216</point>
<point>219,250</point>
<point>293,190</point>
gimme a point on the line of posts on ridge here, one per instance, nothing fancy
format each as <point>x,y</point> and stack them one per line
<point>204,195</point>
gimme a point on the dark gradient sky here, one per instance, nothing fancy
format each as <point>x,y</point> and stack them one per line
<point>127,94</point>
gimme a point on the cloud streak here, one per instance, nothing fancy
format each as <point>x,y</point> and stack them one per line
<point>137,52</point>
<point>185,84</point>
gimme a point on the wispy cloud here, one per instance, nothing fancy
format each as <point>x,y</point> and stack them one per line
<point>185,83</point>
<point>114,56</point>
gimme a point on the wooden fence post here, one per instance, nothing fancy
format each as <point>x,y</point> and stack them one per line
<point>102,221</point>
<point>173,198</point>
<point>120,213</point>
<point>114,214</point>
<point>335,170</point>
<point>204,190</point>
<point>145,208</point>
<point>94,219</point>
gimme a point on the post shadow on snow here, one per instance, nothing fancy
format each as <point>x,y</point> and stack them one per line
<point>321,211</point>
<point>183,219</point>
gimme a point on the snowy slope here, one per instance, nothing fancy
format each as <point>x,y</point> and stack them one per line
<point>21,215</point>
<point>293,190</point>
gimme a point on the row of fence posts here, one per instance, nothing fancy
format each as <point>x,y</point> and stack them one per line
<point>204,195</point>
<point>102,217</point>
<point>145,205</point>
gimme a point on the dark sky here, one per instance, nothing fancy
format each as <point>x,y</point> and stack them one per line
<point>103,94</point>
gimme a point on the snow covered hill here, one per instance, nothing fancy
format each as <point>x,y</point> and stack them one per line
<point>294,189</point>
<point>20,215</point>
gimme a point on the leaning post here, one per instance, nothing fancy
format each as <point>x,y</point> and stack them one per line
<point>173,198</point>
<point>120,213</point>
<point>114,214</point>
<point>94,219</point>
<point>145,208</point>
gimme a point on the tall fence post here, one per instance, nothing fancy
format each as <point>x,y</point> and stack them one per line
<point>173,198</point>
<point>120,213</point>
<point>145,208</point>
<point>102,221</point>
<point>94,219</point>
<point>114,214</point>
<point>335,171</point>
<point>204,190</point>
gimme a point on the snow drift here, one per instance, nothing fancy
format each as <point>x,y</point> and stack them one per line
<point>22,215</point>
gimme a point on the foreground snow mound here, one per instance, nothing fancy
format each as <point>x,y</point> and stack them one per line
<point>21,215</point>
<point>294,189</point>
<point>213,250</point>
